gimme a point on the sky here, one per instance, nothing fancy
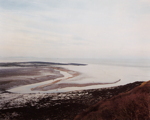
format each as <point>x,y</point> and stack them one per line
<point>75,28</point>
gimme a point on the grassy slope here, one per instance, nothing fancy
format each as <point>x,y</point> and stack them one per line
<point>132,105</point>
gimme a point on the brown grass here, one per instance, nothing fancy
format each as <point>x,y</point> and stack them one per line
<point>133,105</point>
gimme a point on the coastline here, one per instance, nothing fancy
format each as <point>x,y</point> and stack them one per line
<point>13,75</point>
<point>48,105</point>
<point>58,105</point>
<point>35,77</point>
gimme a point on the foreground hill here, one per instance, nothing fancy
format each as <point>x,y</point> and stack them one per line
<point>131,105</point>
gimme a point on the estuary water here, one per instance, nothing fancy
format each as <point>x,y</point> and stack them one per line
<point>100,71</point>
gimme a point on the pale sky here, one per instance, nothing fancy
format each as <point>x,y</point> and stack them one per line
<point>75,28</point>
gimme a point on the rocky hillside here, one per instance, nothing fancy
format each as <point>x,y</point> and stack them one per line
<point>59,106</point>
<point>131,105</point>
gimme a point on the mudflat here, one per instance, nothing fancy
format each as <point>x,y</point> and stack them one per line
<point>24,73</point>
<point>18,74</point>
<point>12,77</point>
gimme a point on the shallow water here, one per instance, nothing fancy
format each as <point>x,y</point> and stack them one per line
<point>94,73</point>
<point>108,73</point>
<point>99,71</point>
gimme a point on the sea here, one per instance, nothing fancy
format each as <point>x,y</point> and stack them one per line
<point>99,71</point>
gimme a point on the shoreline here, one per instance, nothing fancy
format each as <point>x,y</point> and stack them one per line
<point>31,87</point>
<point>40,77</point>
<point>14,77</point>
<point>67,104</point>
<point>84,77</point>
<point>23,73</point>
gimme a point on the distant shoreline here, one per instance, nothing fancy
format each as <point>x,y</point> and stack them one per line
<point>36,63</point>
